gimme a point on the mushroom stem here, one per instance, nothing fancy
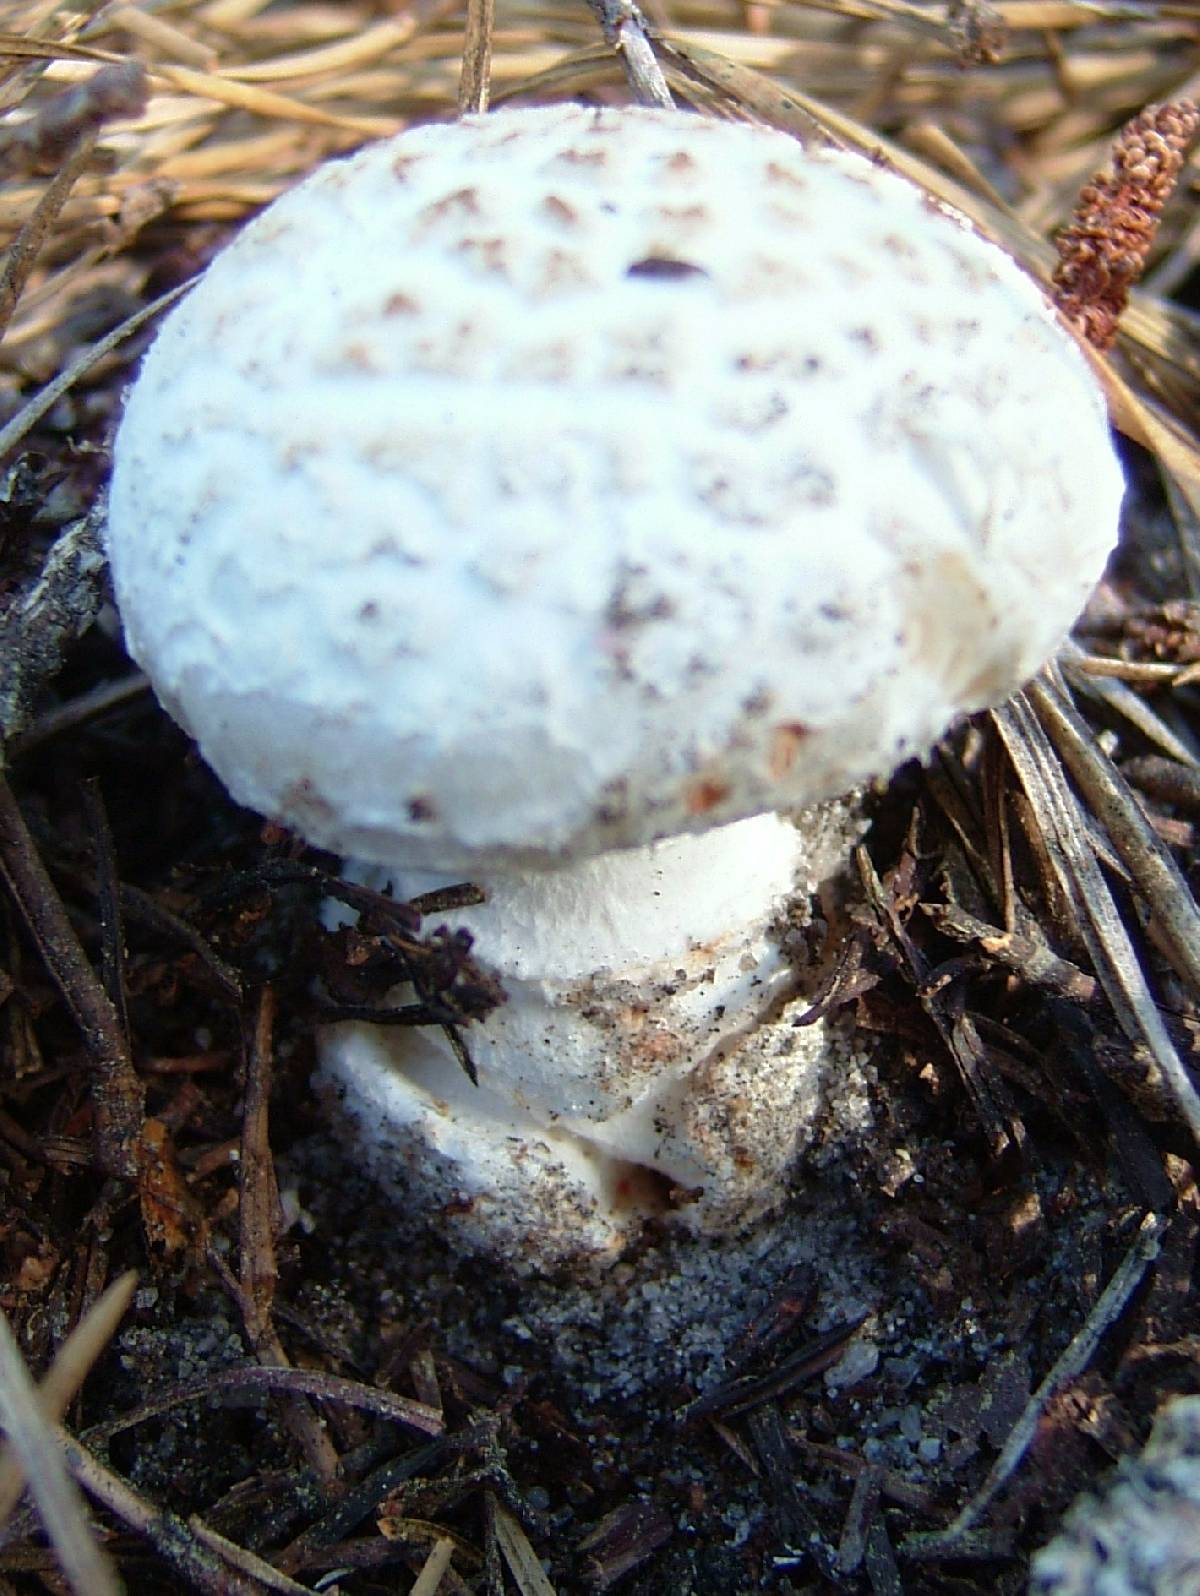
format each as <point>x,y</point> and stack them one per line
<point>645,1062</point>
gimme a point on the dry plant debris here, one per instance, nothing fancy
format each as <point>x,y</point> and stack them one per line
<point>1104,251</point>
<point>948,1332</point>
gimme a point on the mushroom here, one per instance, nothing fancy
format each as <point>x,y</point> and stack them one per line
<point>560,499</point>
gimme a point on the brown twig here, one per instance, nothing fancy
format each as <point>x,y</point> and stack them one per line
<point>860,1515</point>
<point>27,245</point>
<point>117,1094</point>
<point>1113,1301</point>
<point>625,29</point>
<point>79,711</point>
<point>795,1522</point>
<point>142,909</point>
<point>745,1393</point>
<point>40,622</point>
<point>108,900</point>
<point>623,1540</point>
<point>360,1501</point>
<point>257,1379</point>
<point>46,139</point>
<point>173,1539</point>
<point>474,83</point>
<point>522,1560</point>
<point>1071,853</point>
<point>46,398</point>
<point>1030,957</point>
<point>1103,252</point>
<point>258,1210</point>
<point>258,1206</point>
<point>1174,914</point>
<point>240,1558</point>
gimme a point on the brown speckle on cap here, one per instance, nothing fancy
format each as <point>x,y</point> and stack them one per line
<point>785,176</point>
<point>558,210</point>
<point>562,269</point>
<point>490,253</point>
<point>463,202</point>
<point>574,156</point>
<point>704,795</point>
<point>786,741</point>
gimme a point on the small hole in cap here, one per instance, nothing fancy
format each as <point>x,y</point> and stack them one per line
<point>661,269</point>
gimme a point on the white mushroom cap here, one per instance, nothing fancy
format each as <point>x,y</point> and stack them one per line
<point>460,529</point>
